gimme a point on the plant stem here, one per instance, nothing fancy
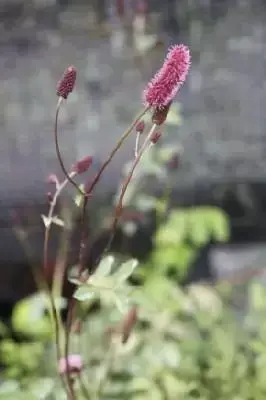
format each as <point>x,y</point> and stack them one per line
<point>118,210</point>
<point>72,305</point>
<point>55,314</point>
<point>137,144</point>
<point>105,370</point>
<point>58,153</point>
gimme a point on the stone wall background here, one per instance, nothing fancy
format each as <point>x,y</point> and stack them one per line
<point>223,103</point>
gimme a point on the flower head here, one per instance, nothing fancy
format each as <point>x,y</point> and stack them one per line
<point>66,84</point>
<point>83,165</point>
<point>75,364</point>
<point>164,86</point>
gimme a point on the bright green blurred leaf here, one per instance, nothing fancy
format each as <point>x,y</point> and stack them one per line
<point>84,293</point>
<point>105,267</point>
<point>125,271</point>
<point>29,316</point>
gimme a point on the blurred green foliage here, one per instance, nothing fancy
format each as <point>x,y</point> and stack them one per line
<point>186,344</point>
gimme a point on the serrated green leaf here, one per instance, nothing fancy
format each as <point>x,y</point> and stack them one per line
<point>84,293</point>
<point>125,271</point>
<point>105,267</point>
<point>121,303</point>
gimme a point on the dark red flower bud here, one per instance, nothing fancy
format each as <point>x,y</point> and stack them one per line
<point>140,126</point>
<point>128,324</point>
<point>66,84</point>
<point>160,114</point>
<point>83,165</point>
<point>156,136</point>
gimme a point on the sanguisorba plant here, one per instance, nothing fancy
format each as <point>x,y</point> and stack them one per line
<point>157,100</point>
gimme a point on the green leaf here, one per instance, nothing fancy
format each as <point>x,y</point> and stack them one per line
<point>29,316</point>
<point>84,293</point>
<point>219,225</point>
<point>198,227</point>
<point>42,388</point>
<point>145,203</point>
<point>125,271</point>
<point>79,197</point>
<point>9,386</point>
<point>121,303</point>
<point>174,230</point>
<point>3,329</point>
<point>257,295</point>
<point>105,267</point>
<point>54,220</point>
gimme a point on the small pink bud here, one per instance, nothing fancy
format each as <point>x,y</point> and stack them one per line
<point>166,83</point>
<point>142,7</point>
<point>133,216</point>
<point>74,362</point>
<point>140,126</point>
<point>83,165</point>
<point>49,197</point>
<point>66,84</point>
<point>52,178</point>
<point>155,137</point>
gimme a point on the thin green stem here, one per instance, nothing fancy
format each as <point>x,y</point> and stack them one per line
<point>86,196</point>
<point>58,153</point>
<point>55,313</point>
<point>118,210</point>
<point>105,371</point>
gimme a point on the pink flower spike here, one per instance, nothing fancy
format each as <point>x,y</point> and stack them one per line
<point>66,84</point>
<point>75,364</point>
<point>166,83</point>
<point>83,165</point>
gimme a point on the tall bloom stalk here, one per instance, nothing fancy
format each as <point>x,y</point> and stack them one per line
<point>158,97</point>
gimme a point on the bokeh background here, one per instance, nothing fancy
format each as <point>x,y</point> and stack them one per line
<point>117,46</point>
